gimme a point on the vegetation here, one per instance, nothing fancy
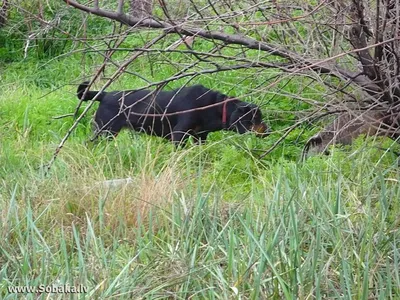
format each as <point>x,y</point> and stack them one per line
<point>204,222</point>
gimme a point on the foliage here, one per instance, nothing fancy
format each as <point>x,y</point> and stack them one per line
<point>204,222</point>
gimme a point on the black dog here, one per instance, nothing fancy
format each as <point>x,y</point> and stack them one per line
<point>174,115</point>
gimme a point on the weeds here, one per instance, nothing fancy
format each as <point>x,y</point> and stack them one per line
<point>203,222</point>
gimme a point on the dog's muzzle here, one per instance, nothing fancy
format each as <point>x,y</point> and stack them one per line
<point>260,130</point>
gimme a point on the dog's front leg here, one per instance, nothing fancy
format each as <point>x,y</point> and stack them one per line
<point>181,132</point>
<point>179,138</point>
<point>200,138</point>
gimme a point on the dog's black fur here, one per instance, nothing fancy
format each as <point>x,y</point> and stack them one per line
<point>173,115</point>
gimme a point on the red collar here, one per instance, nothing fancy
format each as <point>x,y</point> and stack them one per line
<point>224,113</point>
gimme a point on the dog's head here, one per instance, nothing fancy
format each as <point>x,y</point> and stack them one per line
<point>247,117</point>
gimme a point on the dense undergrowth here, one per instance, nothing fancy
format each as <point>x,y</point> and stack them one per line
<point>204,222</point>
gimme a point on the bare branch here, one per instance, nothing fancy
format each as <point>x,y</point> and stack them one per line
<point>113,77</point>
<point>373,86</point>
<point>348,47</point>
<point>120,8</point>
<point>4,12</point>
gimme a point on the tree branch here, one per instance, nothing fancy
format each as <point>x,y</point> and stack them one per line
<point>298,62</point>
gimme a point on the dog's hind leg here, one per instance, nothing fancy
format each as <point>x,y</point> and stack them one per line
<point>108,131</point>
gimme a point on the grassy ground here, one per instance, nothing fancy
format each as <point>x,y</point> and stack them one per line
<point>204,222</point>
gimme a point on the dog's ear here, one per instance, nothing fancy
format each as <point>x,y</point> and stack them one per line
<point>220,97</point>
<point>240,119</point>
<point>244,108</point>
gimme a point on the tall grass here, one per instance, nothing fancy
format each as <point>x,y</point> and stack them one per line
<point>135,218</point>
<point>169,232</point>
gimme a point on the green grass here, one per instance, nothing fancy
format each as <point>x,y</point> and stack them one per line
<point>298,232</point>
<point>203,222</point>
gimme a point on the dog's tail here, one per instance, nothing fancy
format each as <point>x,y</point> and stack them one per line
<point>89,95</point>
